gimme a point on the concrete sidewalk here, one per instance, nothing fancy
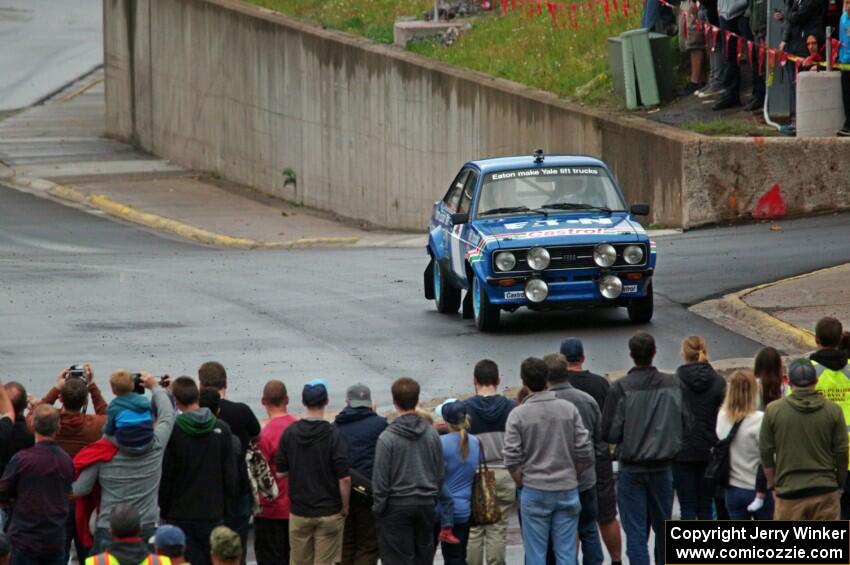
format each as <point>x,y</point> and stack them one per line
<point>58,150</point>
<point>783,314</point>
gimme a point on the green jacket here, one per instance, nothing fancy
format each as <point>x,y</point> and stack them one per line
<point>804,438</point>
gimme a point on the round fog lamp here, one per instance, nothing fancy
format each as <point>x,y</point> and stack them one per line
<point>610,286</point>
<point>536,290</point>
<point>604,255</point>
<point>505,261</point>
<point>538,258</point>
<point>633,254</point>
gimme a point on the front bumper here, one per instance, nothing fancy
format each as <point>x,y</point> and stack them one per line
<point>578,288</point>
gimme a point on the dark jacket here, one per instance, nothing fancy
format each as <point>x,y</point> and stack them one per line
<point>487,417</point>
<point>802,19</point>
<point>19,439</point>
<point>834,359</point>
<point>199,474</point>
<point>360,427</point>
<point>245,426</point>
<point>644,413</point>
<point>595,385</point>
<point>408,464</point>
<point>38,482</point>
<point>315,457</point>
<point>703,391</point>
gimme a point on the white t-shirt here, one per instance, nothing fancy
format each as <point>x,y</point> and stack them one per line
<point>744,451</point>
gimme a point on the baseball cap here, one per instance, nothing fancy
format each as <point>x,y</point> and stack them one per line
<point>801,372</point>
<point>225,544</point>
<point>452,411</point>
<point>169,536</point>
<point>315,393</point>
<point>572,349</point>
<point>359,396</point>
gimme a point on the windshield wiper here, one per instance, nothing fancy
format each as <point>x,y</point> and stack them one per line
<point>574,206</point>
<point>511,209</point>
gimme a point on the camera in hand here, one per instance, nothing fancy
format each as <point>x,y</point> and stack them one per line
<point>138,385</point>
<point>76,372</point>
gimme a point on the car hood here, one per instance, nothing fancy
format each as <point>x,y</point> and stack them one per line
<point>559,229</point>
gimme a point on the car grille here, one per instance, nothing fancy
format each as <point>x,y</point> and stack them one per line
<point>568,257</point>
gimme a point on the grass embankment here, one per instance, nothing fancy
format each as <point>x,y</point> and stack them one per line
<point>731,126</point>
<point>520,47</point>
<point>370,18</point>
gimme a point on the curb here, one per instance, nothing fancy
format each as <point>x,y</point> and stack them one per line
<point>733,313</point>
<point>133,215</point>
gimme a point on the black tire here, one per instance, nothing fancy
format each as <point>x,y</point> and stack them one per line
<point>485,314</point>
<point>641,309</point>
<point>446,297</point>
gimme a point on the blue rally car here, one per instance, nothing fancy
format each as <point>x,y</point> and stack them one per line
<point>546,232</point>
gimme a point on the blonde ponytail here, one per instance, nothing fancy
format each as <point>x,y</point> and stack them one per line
<point>462,429</point>
<point>694,349</point>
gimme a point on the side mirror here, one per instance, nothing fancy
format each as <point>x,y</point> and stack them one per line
<point>640,209</point>
<point>458,219</point>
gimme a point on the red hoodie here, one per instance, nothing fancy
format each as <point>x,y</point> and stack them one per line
<point>100,451</point>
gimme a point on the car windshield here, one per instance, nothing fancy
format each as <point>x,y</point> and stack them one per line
<point>548,189</point>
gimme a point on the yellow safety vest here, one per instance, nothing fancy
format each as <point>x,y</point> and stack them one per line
<point>106,559</point>
<point>835,386</point>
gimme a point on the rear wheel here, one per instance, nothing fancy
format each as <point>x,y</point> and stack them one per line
<point>446,296</point>
<point>486,315</point>
<point>641,309</point>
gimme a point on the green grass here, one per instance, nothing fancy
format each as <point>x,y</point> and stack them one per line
<point>530,50</point>
<point>370,18</point>
<point>730,127</point>
<point>520,47</point>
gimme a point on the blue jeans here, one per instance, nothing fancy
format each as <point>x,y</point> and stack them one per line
<point>644,498</point>
<point>24,557</point>
<point>737,500</point>
<point>549,514</point>
<point>588,534</point>
<point>654,12</point>
<point>695,492</point>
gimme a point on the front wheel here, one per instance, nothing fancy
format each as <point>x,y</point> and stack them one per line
<point>446,297</point>
<point>641,309</point>
<point>486,315</point>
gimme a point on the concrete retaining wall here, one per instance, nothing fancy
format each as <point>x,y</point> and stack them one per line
<point>376,133</point>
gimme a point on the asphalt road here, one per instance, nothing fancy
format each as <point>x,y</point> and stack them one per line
<point>46,44</point>
<point>81,288</point>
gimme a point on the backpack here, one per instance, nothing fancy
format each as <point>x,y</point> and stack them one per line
<point>717,470</point>
<point>262,479</point>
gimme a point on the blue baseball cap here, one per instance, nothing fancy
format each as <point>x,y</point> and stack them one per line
<point>169,536</point>
<point>572,349</point>
<point>315,393</point>
<point>452,411</point>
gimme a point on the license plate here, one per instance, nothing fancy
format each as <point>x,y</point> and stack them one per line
<point>514,294</point>
<point>630,288</point>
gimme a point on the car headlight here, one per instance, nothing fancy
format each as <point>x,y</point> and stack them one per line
<point>633,254</point>
<point>610,286</point>
<point>538,258</point>
<point>505,261</point>
<point>604,255</point>
<point>536,290</point>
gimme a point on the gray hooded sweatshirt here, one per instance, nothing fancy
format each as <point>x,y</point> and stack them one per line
<point>408,464</point>
<point>132,476</point>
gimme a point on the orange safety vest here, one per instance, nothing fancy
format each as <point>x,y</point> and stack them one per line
<point>106,559</point>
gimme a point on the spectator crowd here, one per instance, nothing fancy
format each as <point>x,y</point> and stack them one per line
<point>803,23</point>
<point>172,471</point>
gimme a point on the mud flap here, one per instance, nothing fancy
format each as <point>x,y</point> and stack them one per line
<point>467,313</point>
<point>429,281</point>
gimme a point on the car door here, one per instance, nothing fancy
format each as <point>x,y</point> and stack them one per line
<point>460,233</point>
<point>446,208</point>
